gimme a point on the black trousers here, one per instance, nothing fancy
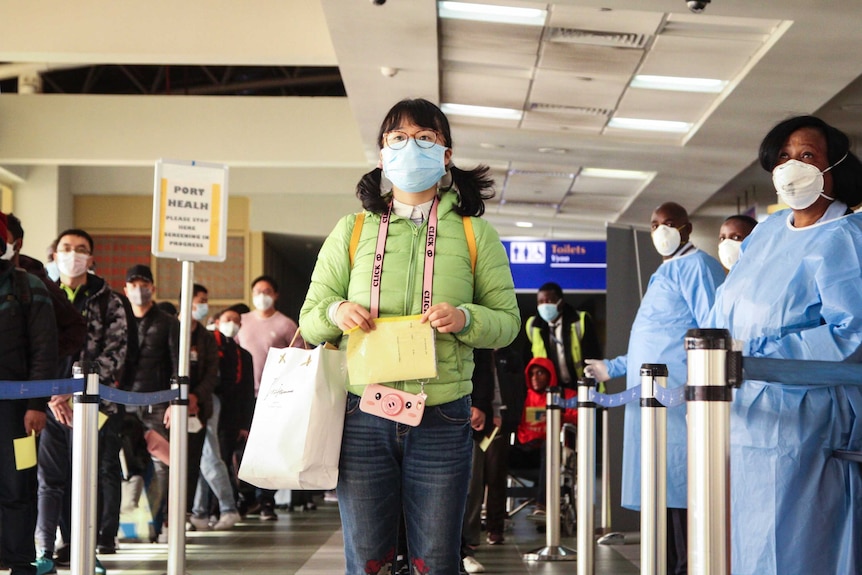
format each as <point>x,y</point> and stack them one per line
<point>55,480</point>
<point>677,541</point>
<point>17,494</point>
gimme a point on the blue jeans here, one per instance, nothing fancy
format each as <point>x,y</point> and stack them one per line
<point>386,466</point>
<point>214,474</point>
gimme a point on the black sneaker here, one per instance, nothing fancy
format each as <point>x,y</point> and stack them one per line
<point>63,556</point>
<point>267,513</point>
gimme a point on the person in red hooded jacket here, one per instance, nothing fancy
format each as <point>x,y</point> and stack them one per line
<point>529,450</point>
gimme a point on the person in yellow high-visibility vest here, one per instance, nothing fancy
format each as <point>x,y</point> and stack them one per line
<point>562,334</point>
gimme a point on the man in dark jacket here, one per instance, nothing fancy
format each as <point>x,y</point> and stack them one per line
<point>106,345</point>
<point>562,334</point>
<point>158,361</point>
<point>71,326</point>
<point>28,351</point>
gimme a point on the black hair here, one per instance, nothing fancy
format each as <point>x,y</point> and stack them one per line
<point>196,289</point>
<point>239,308</point>
<point>76,232</point>
<point>268,279</point>
<point>846,176</point>
<point>751,222</point>
<point>472,186</point>
<point>554,288</point>
<point>14,226</point>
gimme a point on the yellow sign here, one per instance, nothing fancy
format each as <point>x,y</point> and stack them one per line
<point>190,211</point>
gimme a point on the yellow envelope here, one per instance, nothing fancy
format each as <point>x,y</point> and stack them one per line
<point>399,349</point>
<point>25,452</point>
<point>486,441</point>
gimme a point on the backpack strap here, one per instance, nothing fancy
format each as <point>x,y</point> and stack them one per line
<point>471,241</point>
<point>468,233</point>
<point>354,237</point>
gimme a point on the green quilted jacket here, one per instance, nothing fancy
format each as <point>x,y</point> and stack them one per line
<point>488,294</point>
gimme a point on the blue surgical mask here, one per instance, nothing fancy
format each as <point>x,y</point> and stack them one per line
<point>548,311</point>
<point>414,169</point>
<point>200,311</point>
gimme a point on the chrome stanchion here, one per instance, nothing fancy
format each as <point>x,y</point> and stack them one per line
<point>85,466</point>
<point>711,367</point>
<point>552,551</point>
<point>653,471</point>
<point>179,437</point>
<point>605,512</point>
<point>586,477</point>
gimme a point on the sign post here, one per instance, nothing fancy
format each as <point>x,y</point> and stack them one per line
<point>189,224</point>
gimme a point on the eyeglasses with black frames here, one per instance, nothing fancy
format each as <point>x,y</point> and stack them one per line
<point>397,139</point>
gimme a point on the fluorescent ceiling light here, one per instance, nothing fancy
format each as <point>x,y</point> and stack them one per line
<point>650,125</point>
<point>524,224</point>
<point>614,174</point>
<point>678,84</point>
<point>481,112</point>
<point>491,13</point>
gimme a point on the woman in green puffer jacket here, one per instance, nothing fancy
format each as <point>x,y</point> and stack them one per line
<point>386,467</point>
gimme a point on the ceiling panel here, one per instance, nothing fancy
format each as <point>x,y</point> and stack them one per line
<point>538,187</point>
<point>584,120</point>
<point>485,90</point>
<point>560,88</point>
<point>605,19</point>
<point>693,57</point>
<point>604,187</point>
<point>664,105</point>
<point>589,61</point>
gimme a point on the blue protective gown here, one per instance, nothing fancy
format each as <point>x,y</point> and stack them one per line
<point>678,298</point>
<point>796,294</point>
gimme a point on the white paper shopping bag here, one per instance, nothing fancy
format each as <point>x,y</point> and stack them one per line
<point>295,436</point>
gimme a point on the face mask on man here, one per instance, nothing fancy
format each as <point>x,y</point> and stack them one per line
<point>139,295</point>
<point>9,253</point>
<point>200,311</point>
<point>262,301</point>
<point>799,184</point>
<point>228,328</point>
<point>72,264</point>
<point>728,252</point>
<point>548,311</point>
<point>414,169</point>
<point>666,240</point>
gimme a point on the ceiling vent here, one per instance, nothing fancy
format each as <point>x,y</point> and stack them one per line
<point>594,38</point>
<point>573,110</point>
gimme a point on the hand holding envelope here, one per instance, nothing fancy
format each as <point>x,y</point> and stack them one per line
<point>400,348</point>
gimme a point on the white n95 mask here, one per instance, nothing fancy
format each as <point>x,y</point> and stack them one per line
<point>728,252</point>
<point>799,184</point>
<point>666,239</point>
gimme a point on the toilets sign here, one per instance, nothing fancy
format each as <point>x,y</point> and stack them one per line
<point>190,211</point>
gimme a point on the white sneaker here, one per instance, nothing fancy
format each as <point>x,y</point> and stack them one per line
<point>226,521</point>
<point>200,523</point>
<point>472,565</point>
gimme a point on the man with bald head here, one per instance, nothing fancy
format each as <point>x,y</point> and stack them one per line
<point>679,296</point>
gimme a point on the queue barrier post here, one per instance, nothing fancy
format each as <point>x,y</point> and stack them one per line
<point>653,471</point>
<point>586,476</point>
<point>85,458</point>
<point>552,551</point>
<point>712,370</point>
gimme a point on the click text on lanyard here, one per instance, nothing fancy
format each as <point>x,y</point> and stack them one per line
<point>430,249</point>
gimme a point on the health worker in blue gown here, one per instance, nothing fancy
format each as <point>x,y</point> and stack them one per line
<point>678,298</point>
<point>796,293</point>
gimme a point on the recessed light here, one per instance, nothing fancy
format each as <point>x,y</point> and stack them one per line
<point>524,224</point>
<point>481,111</point>
<point>553,150</point>
<point>614,174</point>
<point>650,125</point>
<point>678,84</point>
<point>491,13</point>
<point>490,146</point>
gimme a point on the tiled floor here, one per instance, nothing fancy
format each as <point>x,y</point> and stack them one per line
<point>309,543</point>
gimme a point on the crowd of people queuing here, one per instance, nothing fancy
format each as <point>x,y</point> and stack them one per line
<point>411,498</point>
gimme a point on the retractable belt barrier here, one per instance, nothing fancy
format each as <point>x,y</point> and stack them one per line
<point>708,394</point>
<point>87,394</point>
<point>49,387</point>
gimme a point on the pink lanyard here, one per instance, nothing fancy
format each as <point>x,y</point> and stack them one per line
<point>430,248</point>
